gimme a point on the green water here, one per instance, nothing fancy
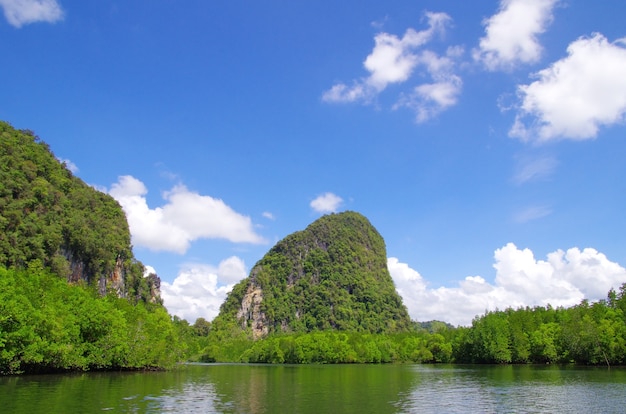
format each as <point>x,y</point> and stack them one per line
<point>216,388</point>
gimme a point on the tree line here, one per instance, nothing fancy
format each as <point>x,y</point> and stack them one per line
<point>588,333</point>
<point>48,325</point>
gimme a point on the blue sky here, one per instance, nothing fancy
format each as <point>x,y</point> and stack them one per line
<point>484,140</point>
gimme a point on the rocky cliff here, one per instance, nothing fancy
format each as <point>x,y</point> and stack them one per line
<point>332,275</point>
<point>50,216</point>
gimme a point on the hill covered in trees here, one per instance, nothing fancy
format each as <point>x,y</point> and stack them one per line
<point>324,295</point>
<point>586,334</point>
<point>48,214</point>
<point>56,229</point>
<point>331,276</point>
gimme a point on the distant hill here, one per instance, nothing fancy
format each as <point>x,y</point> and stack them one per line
<point>332,275</point>
<point>49,215</point>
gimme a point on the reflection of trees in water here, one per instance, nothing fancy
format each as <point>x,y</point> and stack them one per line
<point>311,388</point>
<point>324,388</point>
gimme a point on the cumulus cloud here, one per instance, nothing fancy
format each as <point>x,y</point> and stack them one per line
<point>21,12</point>
<point>393,60</point>
<point>511,34</point>
<point>430,99</point>
<point>326,203</point>
<point>199,289</point>
<point>576,95</point>
<point>186,216</point>
<point>564,279</point>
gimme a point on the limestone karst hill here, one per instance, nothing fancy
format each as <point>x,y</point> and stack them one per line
<point>332,275</point>
<point>51,216</point>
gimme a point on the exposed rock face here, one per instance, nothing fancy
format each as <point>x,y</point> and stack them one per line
<point>332,275</point>
<point>115,281</point>
<point>154,284</point>
<point>250,314</point>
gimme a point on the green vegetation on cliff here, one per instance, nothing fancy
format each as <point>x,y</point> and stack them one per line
<point>48,214</point>
<point>324,295</point>
<point>56,229</point>
<point>331,276</point>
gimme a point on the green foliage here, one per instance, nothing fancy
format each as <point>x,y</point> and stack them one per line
<point>53,224</point>
<point>333,347</point>
<point>48,325</point>
<point>331,276</point>
<point>51,216</point>
<point>593,334</point>
<point>327,297</point>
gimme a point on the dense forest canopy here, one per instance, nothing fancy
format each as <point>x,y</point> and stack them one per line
<point>47,325</point>
<point>48,214</point>
<point>332,275</point>
<point>56,229</point>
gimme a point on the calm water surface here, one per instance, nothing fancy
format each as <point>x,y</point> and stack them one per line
<point>224,388</point>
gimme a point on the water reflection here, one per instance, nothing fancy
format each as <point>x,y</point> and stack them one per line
<point>519,389</point>
<point>305,389</point>
<point>316,389</point>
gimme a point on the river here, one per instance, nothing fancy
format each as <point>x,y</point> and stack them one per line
<point>231,388</point>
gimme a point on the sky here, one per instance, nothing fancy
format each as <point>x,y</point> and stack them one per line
<point>483,140</point>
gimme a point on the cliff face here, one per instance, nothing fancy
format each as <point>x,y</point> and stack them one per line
<point>332,275</point>
<point>49,215</point>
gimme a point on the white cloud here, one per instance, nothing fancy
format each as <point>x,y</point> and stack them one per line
<point>69,164</point>
<point>564,279</point>
<point>430,99</point>
<point>393,60</point>
<point>343,93</point>
<point>186,216</point>
<point>532,213</point>
<point>326,203</point>
<point>268,215</point>
<point>21,12</point>
<point>575,95</point>
<point>199,290</point>
<point>511,34</point>
<point>149,270</point>
<point>531,169</point>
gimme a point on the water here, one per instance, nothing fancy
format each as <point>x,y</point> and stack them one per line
<point>224,388</point>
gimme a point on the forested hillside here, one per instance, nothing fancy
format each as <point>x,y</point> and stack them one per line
<point>48,214</point>
<point>323,295</point>
<point>72,295</point>
<point>331,276</point>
